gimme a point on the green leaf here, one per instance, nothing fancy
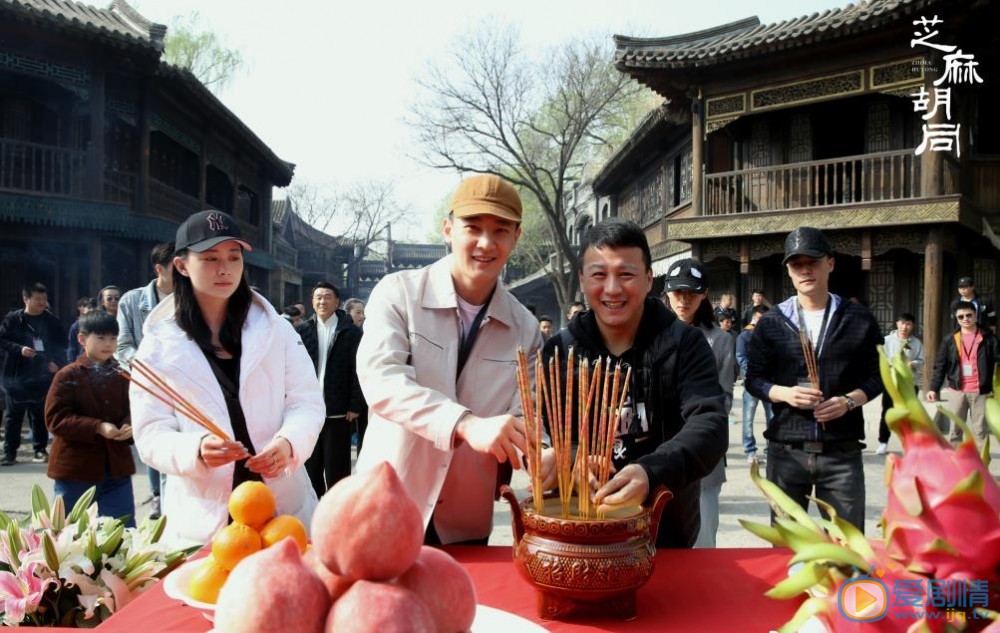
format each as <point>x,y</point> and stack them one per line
<point>809,608</point>
<point>780,502</point>
<point>766,532</point>
<point>836,554</point>
<point>797,535</point>
<point>51,558</point>
<point>158,527</point>
<point>81,505</point>
<point>4,521</point>
<point>92,551</point>
<point>39,502</point>
<point>110,546</point>
<point>888,378</point>
<point>804,579</point>
<point>972,484</point>
<point>993,411</point>
<point>13,536</point>
<point>58,514</point>
<point>984,452</point>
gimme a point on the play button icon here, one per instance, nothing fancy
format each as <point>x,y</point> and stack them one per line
<point>864,599</point>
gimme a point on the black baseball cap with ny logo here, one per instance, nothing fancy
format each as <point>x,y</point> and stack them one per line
<point>205,229</point>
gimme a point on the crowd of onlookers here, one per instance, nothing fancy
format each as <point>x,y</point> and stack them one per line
<point>288,385</point>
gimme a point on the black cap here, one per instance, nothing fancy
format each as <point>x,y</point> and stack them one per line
<point>203,230</point>
<point>687,274</point>
<point>807,241</point>
<point>965,281</point>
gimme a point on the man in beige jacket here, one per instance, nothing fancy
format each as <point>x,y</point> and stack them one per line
<point>437,367</point>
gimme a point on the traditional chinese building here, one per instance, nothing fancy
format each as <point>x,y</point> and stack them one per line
<point>813,121</point>
<point>105,149</point>
<point>304,256</point>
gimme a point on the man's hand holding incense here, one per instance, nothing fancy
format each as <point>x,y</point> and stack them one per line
<point>550,475</point>
<point>798,397</point>
<point>501,436</point>
<point>830,410</point>
<point>629,487</point>
<point>217,452</point>
<point>272,461</point>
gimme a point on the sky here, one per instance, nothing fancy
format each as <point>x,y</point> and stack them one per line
<point>327,84</point>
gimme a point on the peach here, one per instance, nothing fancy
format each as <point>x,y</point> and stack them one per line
<point>367,527</point>
<point>335,584</point>
<point>272,590</point>
<point>445,587</point>
<point>370,607</point>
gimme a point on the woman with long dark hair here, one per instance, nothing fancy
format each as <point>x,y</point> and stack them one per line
<point>227,351</point>
<point>687,294</point>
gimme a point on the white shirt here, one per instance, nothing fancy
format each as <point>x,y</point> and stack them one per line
<point>327,331</point>
<point>468,313</point>
<point>814,322</point>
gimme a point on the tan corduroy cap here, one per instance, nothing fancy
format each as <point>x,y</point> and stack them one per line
<point>486,194</point>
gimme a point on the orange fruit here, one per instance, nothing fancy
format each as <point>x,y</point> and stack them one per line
<point>282,526</point>
<point>252,503</point>
<point>207,581</point>
<point>233,543</point>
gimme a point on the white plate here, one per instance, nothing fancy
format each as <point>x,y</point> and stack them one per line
<point>491,620</point>
<point>175,585</point>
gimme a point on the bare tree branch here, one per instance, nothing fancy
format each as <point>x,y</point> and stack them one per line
<point>535,123</point>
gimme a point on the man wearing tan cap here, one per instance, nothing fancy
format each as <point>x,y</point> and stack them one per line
<point>437,367</point>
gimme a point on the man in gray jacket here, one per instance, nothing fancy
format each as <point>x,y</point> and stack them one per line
<point>133,309</point>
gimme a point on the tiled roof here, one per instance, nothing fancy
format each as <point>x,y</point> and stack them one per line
<point>283,169</point>
<point>748,37</point>
<point>118,22</point>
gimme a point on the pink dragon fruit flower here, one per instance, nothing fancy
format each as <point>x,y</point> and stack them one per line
<point>21,593</point>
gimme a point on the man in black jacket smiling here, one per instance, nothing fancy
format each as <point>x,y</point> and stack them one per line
<point>815,435</point>
<point>672,429</point>
<point>967,360</point>
<point>331,338</point>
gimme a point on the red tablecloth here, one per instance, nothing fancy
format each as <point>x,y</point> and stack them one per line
<point>691,590</point>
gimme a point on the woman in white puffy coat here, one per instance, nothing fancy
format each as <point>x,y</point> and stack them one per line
<point>226,350</point>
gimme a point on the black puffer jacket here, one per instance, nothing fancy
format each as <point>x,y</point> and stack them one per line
<point>341,389</point>
<point>684,406</point>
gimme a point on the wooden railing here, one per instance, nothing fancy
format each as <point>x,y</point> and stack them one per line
<point>41,168</point>
<point>166,201</point>
<point>865,178</point>
<point>119,186</point>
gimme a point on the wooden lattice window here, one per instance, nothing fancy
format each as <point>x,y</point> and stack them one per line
<point>879,127</point>
<point>800,147</point>
<point>882,293</point>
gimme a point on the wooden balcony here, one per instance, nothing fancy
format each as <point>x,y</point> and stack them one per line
<point>167,202</point>
<point>37,168</point>
<point>881,177</point>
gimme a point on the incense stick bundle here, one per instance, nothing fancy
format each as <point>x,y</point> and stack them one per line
<point>811,367</point>
<point>162,391</point>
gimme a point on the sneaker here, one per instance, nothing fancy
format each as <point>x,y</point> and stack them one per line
<point>40,457</point>
<point>751,457</point>
<point>154,508</point>
<point>882,449</point>
<point>8,460</point>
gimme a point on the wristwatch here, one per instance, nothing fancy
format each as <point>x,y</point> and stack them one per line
<point>850,402</point>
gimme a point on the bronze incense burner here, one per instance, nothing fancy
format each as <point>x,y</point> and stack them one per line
<point>580,562</point>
